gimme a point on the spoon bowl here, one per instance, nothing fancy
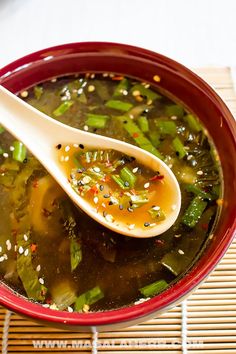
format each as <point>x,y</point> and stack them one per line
<point>41,134</point>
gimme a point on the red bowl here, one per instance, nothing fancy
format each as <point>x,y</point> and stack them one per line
<point>199,98</point>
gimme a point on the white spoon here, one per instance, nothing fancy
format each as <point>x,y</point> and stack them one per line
<point>41,134</point>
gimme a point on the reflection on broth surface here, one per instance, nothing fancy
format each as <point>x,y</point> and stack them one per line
<point>53,253</point>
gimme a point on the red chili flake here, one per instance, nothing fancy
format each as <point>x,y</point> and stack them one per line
<point>46,213</point>
<point>49,301</point>
<point>117,78</point>
<point>35,183</point>
<point>159,242</point>
<point>94,189</point>
<point>14,232</point>
<point>133,191</point>
<point>33,247</point>
<point>43,292</point>
<point>156,178</point>
<point>204,226</point>
<point>135,135</point>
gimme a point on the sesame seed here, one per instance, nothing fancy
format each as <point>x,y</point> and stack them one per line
<point>199,173</point>
<point>173,207</point>
<point>21,250</point>
<point>147,85</point>
<point>91,88</point>
<point>12,148</point>
<point>76,145</point>
<point>24,94</point>
<point>156,207</point>
<point>26,252</point>
<point>46,305</point>
<point>136,93</point>
<point>156,78</point>
<point>126,183</point>
<point>67,148</point>
<point>130,209</point>
<point>86,308</point>
<point>58,146</point>
<point>180,251</point>
<point>92,76</point>
<point>146,224</point>
<point>86,128</point>
<point>135,170</point>
<point>95,199</point>
<point>81,146</point>
<point>5,154</point>
<point>41,281</point>
<point>189,157</point>
<point>125,92</point>
<point>170,165</point>
<point>147,185</point>
<point>96,169</point>
<point>25,237</point>
<point>131,226</point>
<point>105,74</point>
<point>67,158</point>
<point>101,187</point>
<point>86,179</point>
<point>53,307</point>
<point>121,207</point>
<point>173,117</point>
<point>111,75</point>
<point>62,158</point>
<point>106,196</point>
<point>153,224</point>
<point>38,268</point>
<point>149,102</point>
<point>2,259</point>
<point>103,205</point>
<point>8,244</point>
<point>5,256</point>
<point>109,218</point>
<point>178,235</point>
<point>54,79</point>
<point>69,309</point>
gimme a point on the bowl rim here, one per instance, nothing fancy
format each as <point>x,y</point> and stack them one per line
<point>186,284</point>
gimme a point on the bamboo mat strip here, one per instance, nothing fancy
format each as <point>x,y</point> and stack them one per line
<point>205,323</point>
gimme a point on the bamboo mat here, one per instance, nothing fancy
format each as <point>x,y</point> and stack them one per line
<point>205,323</point>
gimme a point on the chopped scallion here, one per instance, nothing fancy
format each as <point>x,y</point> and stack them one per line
<point>179,147</point>
<point>119,105</point>
<point>64,106</point>
<point>193,123</point>
<point>38,91</point>
<point>121,87</point>
<point>128,176</point>
<point>166,127</point>
<point>194,211</point>
<point>88,298</point>
<point>154,288</point>
<point>174,110</point>
<point>96,120</point>
<point>143,124</point>
<point>19,152</point>
<point>138,135</point>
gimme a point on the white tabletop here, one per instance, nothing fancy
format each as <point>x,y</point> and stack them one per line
<point>194,32</point>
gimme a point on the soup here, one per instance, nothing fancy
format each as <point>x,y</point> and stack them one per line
<point>53,253</point>
<point>116,185</point>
